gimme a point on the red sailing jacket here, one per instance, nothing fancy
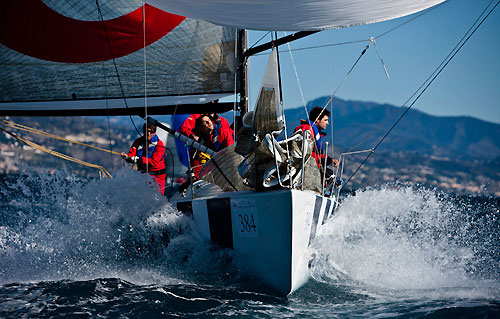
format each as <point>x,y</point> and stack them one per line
<point>219,140</point>
<point>306,125</point>
<point>153,159</point>
<point>188,126</point>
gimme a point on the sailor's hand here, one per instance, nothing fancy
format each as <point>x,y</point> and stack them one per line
<point>194,137</point>
<point>131,159</point>
<point>123,155</point>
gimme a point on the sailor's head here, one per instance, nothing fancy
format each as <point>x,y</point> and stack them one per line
<point>320,117</point>
<point>149,130</point>
<point>204,124</point>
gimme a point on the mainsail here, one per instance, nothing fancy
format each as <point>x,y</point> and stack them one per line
<point>88,58</point>
<point>293,15</point>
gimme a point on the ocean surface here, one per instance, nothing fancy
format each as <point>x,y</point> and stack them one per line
<point>75,248</point>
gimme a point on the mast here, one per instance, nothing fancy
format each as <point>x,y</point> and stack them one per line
<point>244,53</point>
<point>243,71</point>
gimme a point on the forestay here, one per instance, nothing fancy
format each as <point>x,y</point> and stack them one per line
<point>293,15</point>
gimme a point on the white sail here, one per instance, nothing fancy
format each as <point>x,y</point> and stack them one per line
<point>292,15</point>
<point>268,114</point>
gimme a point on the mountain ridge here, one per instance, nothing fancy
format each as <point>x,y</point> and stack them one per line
<point>461,137</point>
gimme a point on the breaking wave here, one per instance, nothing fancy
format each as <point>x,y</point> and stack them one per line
<point>55,227</point>
<point>399,238</point>
<point>391,240</point>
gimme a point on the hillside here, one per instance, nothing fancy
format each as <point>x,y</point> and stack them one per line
<point>458,154</point>
<point>448,137</point>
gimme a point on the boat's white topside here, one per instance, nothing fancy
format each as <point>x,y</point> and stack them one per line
<point>269,231</point>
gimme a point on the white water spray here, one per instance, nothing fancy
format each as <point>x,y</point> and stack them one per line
<point>397,238</point>
<point>57,227</point>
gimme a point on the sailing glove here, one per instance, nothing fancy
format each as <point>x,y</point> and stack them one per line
<point>131,159</point>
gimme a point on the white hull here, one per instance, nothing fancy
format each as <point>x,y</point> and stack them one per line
<point>270,231</point>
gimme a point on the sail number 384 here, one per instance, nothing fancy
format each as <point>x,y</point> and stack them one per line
<point>247,223</point>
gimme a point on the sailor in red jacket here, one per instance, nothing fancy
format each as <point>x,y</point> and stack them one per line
<point>187,128</point>
<point>152,160</point>
<point>215,137</point>
<point>318,121</point>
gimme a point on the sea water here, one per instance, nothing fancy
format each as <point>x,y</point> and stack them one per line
<point>116,248</point>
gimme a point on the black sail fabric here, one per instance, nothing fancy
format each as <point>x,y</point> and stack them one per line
<point>58,55</point>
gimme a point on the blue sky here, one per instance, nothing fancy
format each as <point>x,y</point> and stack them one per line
<point>469,85</point>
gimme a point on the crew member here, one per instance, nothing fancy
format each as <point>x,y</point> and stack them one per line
<point>214,137</point>
<point>317,123</point>
<point>152,160</point>
<point>188,126</point>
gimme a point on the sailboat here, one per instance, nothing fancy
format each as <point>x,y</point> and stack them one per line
<point>262,197</point>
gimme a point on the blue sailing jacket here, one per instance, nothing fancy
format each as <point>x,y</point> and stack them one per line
<point>151,148</point>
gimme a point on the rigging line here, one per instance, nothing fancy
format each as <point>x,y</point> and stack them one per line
<point>260,39</point>
<point>145,81</point>
<point>57,154</point>
<point>380,57</point>
<point>109,139</point>
<point>298,80</point>
<point>330,62</point>
<point>114,63</point>
<point>279,70</point>
<point>39,132</point>
<point>107,111</point>
<point>345,78</point>
<point>363,40</point>
<point>410,20</point>
<point>183,80</point>
<point>393,115</point>
<point>426,87</point>
<point>145,61</point>
<point>318,46</point>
